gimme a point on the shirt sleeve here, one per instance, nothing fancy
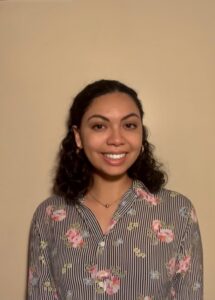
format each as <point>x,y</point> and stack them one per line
<point>40,282</point>
<point>188,280</point>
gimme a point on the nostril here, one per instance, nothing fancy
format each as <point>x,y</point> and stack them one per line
<point>115,138</point>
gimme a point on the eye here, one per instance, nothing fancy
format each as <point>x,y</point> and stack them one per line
<point>130,125</point>
<point>98,127</point>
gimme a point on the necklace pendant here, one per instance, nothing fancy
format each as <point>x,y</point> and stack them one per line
<point>107,205</point>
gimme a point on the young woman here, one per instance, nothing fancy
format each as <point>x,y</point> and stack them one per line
<point>111,231</point>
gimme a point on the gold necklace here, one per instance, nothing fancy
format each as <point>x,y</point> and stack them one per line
<point>106,205</point>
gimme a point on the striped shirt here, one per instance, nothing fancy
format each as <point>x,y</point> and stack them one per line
<point>151,251</point>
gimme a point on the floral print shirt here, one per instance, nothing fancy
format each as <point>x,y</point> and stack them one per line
<point>151,251</point>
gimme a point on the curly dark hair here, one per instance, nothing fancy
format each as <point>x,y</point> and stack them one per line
<point>74,171</point>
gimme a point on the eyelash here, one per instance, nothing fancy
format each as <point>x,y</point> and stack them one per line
<point>130,126</point>
<point>99,127</point>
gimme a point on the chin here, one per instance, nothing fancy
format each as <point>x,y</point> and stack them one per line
<point>111,175</point>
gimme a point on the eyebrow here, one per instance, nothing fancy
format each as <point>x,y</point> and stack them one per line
<point>106,119</point>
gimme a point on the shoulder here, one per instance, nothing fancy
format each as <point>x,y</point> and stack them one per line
<point>177,202</point>
<point>53,208</point>
<point>165,196</point>
<point>173,197</point>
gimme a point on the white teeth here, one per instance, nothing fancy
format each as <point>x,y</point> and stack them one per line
<point>115,156</point>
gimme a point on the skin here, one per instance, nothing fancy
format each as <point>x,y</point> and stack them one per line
<point>111,125</point>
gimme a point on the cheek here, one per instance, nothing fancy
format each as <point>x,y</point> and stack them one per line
<point>136,141</point>
<point>91,142</point>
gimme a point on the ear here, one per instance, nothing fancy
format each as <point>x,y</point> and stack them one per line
<point>77,137</point>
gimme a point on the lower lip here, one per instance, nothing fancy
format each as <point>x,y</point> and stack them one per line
<point>114,162</point>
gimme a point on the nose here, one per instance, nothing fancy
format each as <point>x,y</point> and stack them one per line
<point>115,137</point>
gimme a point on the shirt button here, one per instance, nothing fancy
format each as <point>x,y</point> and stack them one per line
<point>102,244</point>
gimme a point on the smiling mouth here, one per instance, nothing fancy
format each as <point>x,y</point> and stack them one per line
<point>115,156</point>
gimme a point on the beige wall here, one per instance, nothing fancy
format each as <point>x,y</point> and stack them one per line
<point>50,49</point>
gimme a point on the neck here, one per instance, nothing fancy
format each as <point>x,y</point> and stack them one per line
<point>112,188</point>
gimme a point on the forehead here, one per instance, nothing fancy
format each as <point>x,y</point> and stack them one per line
<point>112,104</point>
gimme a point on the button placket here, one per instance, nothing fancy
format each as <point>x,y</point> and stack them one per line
<point>101,247</point>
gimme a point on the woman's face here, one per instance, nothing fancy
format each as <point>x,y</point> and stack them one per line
<point>111,134</point>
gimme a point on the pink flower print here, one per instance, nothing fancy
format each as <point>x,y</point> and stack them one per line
<point>55,214</point>
<point>172,293</point>
<point>148,197</point>
<point>74,238</point>
<point>112,285</point>
<point>30,275</point>
<point>58,215</point>
<point>165,235</point>
<point>171,266</point>
<point>92,269</point>
<point>183,264</point>
<point>49,210</point>
<point>156,225</point>
<point>106,280</point>
<point>103,274</point>
<point>193,215</point>
<point>180,267</point>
